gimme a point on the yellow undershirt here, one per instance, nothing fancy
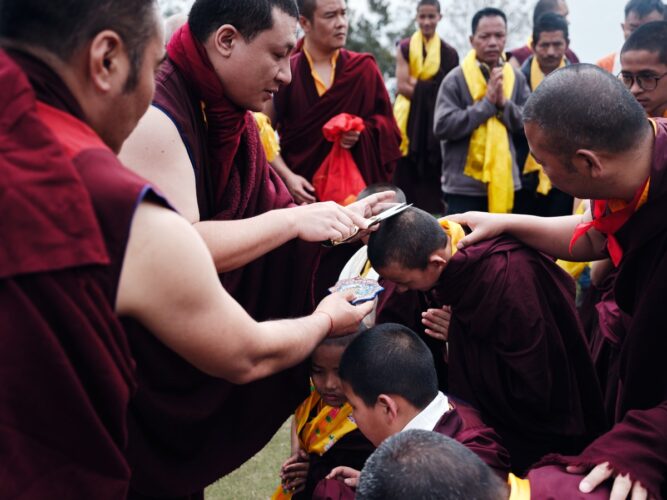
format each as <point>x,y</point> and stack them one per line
<point>319,83</point>
<point>519,488</point>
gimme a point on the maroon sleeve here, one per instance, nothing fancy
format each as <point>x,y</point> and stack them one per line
<point>333,489</point>
<point>636,446</point>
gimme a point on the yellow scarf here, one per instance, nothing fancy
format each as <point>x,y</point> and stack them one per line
<point>519,488</point>
<point>544,186</point>
<point>422,68</point>
<point>489,157</point>
<point>454,231</point>
<point>268,136</point>
<point>320,433</point>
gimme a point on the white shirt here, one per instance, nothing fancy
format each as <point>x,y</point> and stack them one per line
<point>427,419</point>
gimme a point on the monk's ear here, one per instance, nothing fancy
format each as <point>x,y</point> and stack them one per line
<point>437,260</point>
<point>388,406</point>
<point>224,39</point>
<point>588,161</point>
<point>108,63</point>
<point>305,23</point>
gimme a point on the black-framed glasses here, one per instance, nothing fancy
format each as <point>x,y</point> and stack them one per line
<point>646,82</point>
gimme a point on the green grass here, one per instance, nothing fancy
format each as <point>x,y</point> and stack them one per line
<point>258,477</point>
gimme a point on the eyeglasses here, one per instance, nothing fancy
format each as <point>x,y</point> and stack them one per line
<point>644,81</point>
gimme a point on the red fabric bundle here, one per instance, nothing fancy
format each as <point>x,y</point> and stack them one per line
<point>338,178</point>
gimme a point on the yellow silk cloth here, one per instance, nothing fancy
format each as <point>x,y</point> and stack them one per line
<point>320,86</point>
<point>318,434</point>
<point>519,488</point>
<point>268,136</point>
<point>421,68</point>
<point>544,185</point>
<point>454,231</point>
<point>489,157</point>
<point>575,269</point>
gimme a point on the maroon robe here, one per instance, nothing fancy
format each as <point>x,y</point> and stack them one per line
<point>638,443</point>
<point>65,365</point>
<point>187,428</point>
<point>517,351</point>
<point>418,174</point>
<point>357,89</point>
<point>463,424</point>
<point>552,482</point>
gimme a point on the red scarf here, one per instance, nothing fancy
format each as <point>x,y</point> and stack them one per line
<point>225,120</point>
<point>609,223</point>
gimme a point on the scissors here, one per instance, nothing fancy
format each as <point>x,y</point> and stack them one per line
<point>376,219</point>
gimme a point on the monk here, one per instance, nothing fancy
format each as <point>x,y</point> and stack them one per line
<point>390,382</point>
<point>516,350</point>
<point>329,80</point>
<point>637,13</point>
<point>417,463</point>
<point>621,167</point>
<point>422,61</point>
<point>148,266</point>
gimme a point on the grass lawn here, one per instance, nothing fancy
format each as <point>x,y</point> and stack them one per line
<point>257,478</point>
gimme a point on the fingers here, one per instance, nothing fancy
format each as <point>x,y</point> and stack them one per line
<point>621,488</point>
<point>576,469</point>
<point>639,492</point>
<point>595,477</point>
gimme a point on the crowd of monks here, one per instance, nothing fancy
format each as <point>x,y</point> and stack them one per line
<point>164,283</point>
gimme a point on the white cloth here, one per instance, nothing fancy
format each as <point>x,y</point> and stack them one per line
<point>428,418</point>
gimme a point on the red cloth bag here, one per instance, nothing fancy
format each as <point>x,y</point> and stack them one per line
<point>338,178</point>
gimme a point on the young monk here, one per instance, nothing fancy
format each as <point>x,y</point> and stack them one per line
<point>516,349</point>
<point>417,463</point>
<point>324,434</point>
<point>390,383</point>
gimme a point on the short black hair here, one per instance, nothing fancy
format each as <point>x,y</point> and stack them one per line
<point>544,6</point>
<point>548,23</point>
<point>378,187</point>
<point>434,3</point>
<point>249,17</point>
<point>65,26</point>
<point>407,239</point>
<point>426,465</point>
<point>644,7</point>
<point>651,37</point>
<point>487,12</point>
<point>390,359</point>
<point>583,106</point>
<point>307,8</point>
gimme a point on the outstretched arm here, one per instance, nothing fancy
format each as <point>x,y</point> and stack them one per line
<point>156,152</point>
<point>550,235</point>
<point>169,284</point>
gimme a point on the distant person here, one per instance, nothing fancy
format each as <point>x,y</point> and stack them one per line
<point>478,108</point>
<point>422,61</point>
<point>424,465</point>
<point>537,195</point>
<point>516,350</point>
<point>637,13</point>
<point>518,56</point>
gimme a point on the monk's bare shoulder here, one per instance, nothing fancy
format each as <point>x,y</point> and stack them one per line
<point>156,151</point>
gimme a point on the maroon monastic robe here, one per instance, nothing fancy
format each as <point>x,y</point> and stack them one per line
<point>65,366</point>
<point>357,89</point>
<point>552,482</point>
<point>517,351</point>
<point>187,429</point>
<point>418,174</point>
<point>638,443</point>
